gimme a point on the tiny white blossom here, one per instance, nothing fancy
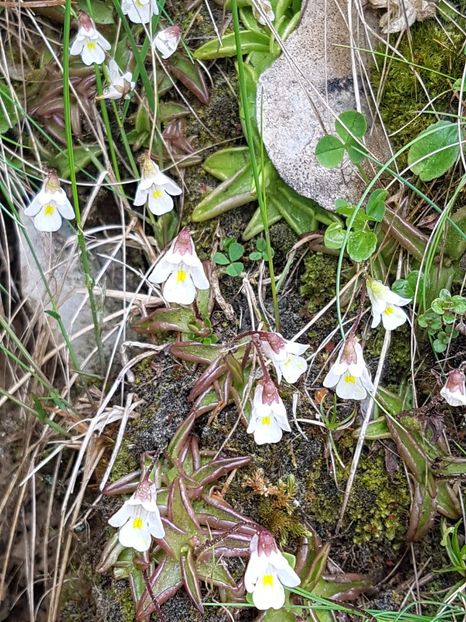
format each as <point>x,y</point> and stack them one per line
<point>454,391</point>
<point>89,43</point>
<point>349,374</point>
<point>139,518</point>
<point>263,11</point>
<point>386,305</point>
<point>155,188</point>
<point>140,11</point>
<point>268,414</point>
<point>285,355</point>
<point>181,270</point>
<point>267,572</point>
<point>50,205</point>
<point>120,83</point>
<point>166,41</point>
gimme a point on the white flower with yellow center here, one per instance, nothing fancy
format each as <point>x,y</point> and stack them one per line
<point>139,518</point>
<point>50,205</point>
<point>155,188</point>
<point>386,305</point>
<point>454,391</point>
<point>268,414</point>
<point>349,374</point>
<point>89,43</point>
<point>120,83</point>
<point>285,355</point>
<point>267,572</point>
<point>181,270</point>
<point>166,41</point>
<point>139,11</point>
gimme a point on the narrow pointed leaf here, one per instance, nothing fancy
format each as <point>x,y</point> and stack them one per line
<point>191,581</point>
<point>191,75</point>
<point>251,40</point>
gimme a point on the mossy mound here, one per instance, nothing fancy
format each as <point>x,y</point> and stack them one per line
<point>428,61</point>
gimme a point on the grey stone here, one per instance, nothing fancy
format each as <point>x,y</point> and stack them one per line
<point>301,94</point>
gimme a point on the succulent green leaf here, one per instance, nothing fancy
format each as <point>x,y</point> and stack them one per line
<point>334,236</point>
<point>221,259</point>
<point>330,151</point>
<point>375,208</point>
<point>235,251</point>
<point>349,124</point>
<point>190,74</point>
<point>226,162</point>
<point>435,151</point>
<point>251,41</point>
<point>233,192</point>
<point>361,245</point>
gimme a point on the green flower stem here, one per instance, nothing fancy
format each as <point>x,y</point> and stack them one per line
<point>84,255</point>
<point>255,168</point>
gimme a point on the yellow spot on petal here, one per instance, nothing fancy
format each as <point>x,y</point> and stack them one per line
<point>181,276</point>
<point>388,311</point>
<point>157,194</point>
<point>267,580</point>
<point>348,378</point>
<point>137,523</point>
<point>49,210</point>
<point>288,361</point>
<point>90,45</point>
<point>265,420</point>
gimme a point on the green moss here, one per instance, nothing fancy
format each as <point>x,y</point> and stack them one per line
<point>378,506</point>
<point>405,89</point>
<point>123,597</point>
<point>318,280</point>
<point>398,361</point>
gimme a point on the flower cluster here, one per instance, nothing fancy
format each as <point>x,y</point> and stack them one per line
<point>50,205</point>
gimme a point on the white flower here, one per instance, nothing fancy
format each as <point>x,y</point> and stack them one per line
<point>181,270</point>
<point>139,518</point>
<point>285,355</point>
<point>166,41</point>
<point>139,11</point>
<point>263,11</point>
<point>89,43</point>
<point>155,188</point>
<point>349,374</point>
<point>386,305</point>
<point>50,205</point>
<point>267,572</point>
<point>268,414</point>
<point>120,83</point>
<point>454,391</point>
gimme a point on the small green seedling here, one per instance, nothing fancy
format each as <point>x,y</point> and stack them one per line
<point>260,254</point>
<point>229,259</point>
<point>350,127</point>
<point>439,320</point>
<point>362,241</point>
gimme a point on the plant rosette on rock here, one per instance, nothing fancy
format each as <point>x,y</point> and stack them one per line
<point>386,305</point>
<point>454,391</point>
<point>155,188</point>
<point>139,519</point>
<point>349,375</point>
<point>89,43</point>
<point>181,270</point>
<point>285,356</point>
<point>268,415</point>
<point>267,572</point>
<point>50,206</point>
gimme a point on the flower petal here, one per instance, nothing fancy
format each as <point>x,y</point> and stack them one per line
<point>179,289</point>
<point>293,367</point>
<point>393,317</point>
<point>199,278</point>
<point>161,271</point>
<point>135,534</point>
<point>268,593</point>
<point>141,195</point>
<point>350,388</point>
<point>160,202</point>
<point>155,524</point>
<point>47,220</point>
<point>66,210</point>
<point>34,206</point>
<point>120,518</point>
